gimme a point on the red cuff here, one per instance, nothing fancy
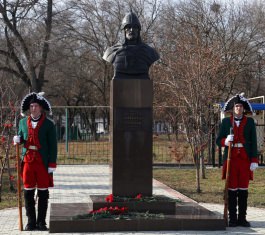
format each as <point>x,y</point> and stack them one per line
<point>52,165</point>
<point>223,142</point>
<point>254,159</point>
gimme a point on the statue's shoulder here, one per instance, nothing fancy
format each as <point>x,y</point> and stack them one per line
<point>110,53</point>
<point>152,53</point>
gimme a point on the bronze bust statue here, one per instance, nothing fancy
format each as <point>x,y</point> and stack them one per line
<point>132,59</point>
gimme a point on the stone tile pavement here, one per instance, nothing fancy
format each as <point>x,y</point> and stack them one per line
<point>73,183</point>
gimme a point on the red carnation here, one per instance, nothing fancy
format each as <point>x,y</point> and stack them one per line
<point>124,209</point>
<point>139,196</point>
<point>109,198</point>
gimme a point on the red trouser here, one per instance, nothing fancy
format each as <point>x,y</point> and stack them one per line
<point>34,173</point>
<point>240,173</point>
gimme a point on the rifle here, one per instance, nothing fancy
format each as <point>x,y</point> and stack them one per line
<point>19,189</point>
<point>20,222</point>
<point>227,180</point>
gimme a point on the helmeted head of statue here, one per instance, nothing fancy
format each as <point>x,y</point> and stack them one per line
<point>132,27</point>
<point>130,19</point>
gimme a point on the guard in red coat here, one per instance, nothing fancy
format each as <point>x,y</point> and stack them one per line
<point>39,153</point>
<point>243,156</point>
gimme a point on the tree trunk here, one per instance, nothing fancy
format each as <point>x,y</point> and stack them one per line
<point>202,166</point>
<point>197,164</point>
<point>45,49</point>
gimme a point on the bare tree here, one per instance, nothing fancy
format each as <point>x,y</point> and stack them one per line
<point>27,29</point>
<point>206,51</point>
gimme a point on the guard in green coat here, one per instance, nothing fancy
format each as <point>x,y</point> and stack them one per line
<point>243,156</point>
<point>38,135</point>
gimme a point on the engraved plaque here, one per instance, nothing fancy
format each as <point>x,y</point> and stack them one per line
<point>133,119</point>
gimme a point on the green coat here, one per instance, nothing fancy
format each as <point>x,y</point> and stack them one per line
<point>249,135</point>
<point>47,138</point>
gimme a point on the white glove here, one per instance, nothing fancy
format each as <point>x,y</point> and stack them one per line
<point>16,139</point>
<point>254,166</point>
<point>229,138</point>
<point>51,170</point>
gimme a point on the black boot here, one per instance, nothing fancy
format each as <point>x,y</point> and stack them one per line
<point>42,209</point>
<point>30,209</point>
<point>242,208</point>
<point>232,208</point>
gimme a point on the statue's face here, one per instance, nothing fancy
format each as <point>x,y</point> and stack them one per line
<point>131,32</point>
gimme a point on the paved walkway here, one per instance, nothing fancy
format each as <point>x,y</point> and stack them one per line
<point>74,184</point>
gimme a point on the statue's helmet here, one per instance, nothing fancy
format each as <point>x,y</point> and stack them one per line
<point>132,19</point>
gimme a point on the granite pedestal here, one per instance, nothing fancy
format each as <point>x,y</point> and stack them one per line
<point>131,136</point>
<point>186,216</point>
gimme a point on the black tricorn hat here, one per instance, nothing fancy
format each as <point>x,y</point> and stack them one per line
<point>237,99</point>
<point>35,98</point>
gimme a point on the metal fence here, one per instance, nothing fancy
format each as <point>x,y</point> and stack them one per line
<point>260,141</point>
<point>83,137</point>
